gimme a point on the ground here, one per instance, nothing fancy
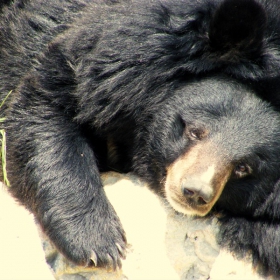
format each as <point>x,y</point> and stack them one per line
<point>181,248</point>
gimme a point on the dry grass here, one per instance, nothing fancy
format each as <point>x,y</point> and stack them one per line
<point>3,170</point>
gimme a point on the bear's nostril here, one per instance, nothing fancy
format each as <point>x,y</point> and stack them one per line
<point>188,192</point>
<point>201,201</point>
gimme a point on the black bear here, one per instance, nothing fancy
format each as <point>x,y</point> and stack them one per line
<point>183,93</point>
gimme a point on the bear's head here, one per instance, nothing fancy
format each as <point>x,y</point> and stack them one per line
<point>220,142</point>
<point>213,143</point>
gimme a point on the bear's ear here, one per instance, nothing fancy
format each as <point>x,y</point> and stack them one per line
<point>237,26</point>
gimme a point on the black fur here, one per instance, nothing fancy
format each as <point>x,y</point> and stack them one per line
<point>136,76</point>
<point>3,3</point>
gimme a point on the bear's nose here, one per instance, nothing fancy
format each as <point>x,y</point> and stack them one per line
<point>197,190</point>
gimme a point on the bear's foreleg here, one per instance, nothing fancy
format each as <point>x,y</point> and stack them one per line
<point>53,172</point>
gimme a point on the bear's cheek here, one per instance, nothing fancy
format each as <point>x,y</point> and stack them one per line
<point>195,181</point>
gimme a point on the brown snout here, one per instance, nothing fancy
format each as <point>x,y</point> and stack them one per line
<point>196,180</point>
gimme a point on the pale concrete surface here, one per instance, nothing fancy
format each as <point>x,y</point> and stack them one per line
<point>163,244</point>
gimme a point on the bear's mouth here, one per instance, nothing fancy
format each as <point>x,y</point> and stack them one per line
<point>193,202</point>
<point>190,206</point>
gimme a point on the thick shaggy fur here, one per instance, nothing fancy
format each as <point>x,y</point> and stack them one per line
<point>170,90</point>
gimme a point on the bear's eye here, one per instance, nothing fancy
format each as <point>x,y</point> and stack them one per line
<point>197,133</point>
<point>241,170</point>
<point>194,133</point>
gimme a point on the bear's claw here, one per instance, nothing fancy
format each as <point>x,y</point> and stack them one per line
<point>93,258</point>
